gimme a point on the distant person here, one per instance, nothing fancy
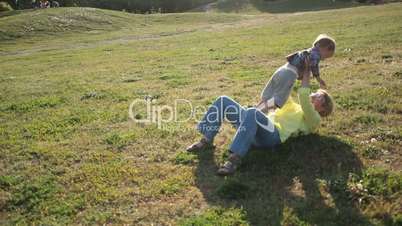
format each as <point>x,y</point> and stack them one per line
<point>277,90</point>
<point>34,4</point>
<point>254,128</point>
<point>54,4</point>
<point>44,4</point>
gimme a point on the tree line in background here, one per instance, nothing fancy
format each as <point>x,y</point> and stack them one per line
<point>139,6</point>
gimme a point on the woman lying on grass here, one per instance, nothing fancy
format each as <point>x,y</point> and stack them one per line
<point>262,131</point>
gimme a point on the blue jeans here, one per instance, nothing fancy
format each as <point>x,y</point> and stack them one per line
<point>253,126</point>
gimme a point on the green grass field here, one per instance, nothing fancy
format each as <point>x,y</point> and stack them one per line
<point>275,6</point>
<point>70,154</point>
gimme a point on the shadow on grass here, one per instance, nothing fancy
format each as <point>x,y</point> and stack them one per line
<point>301,182</point>
<point>284,6</point>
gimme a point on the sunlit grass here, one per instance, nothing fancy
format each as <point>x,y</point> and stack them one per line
<point>70,154</point>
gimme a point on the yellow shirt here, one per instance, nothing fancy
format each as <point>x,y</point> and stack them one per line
<point>294,119</point>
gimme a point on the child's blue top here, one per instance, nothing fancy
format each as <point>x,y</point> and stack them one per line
<point>297,59</point>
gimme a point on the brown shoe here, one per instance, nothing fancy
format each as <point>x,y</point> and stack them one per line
<point>200,145</point>
<point>230,166</point>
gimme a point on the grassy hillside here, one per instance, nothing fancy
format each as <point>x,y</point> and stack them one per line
<point>70,154</point>
<point>33,23</point>
<point>281,6</point>
<point>278,6</point>
<point>38,24</point>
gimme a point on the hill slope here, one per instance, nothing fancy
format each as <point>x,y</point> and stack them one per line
<point>272,6</point>
<point>70,154</point>
<point>53,21</point>
<point>48,22</point>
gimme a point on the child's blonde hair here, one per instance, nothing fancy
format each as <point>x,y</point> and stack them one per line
<point>328,103</point>
<point>325,41</point>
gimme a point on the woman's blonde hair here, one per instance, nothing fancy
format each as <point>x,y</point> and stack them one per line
<point>325,41</point>
<point>328,103</point>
